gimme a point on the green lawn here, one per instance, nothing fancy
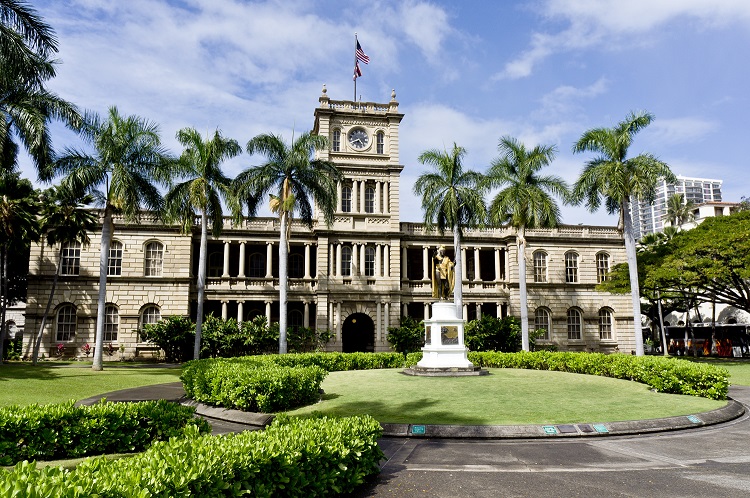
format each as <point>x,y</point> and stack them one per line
<point>739,369</point>
<point>52,382</point>
<point>504,397</point>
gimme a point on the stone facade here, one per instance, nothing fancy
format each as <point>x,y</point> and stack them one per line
<point>355,278</point>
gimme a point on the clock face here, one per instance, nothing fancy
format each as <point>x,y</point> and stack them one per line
<point>358,138</point>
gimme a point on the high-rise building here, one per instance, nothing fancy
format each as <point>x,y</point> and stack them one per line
<point>652,217</point>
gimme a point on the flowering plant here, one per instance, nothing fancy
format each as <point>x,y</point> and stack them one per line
<point>60,350</point>
<point>86,348</point>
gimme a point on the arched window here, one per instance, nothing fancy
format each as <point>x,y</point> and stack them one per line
<point>540,266</point>
<point>111,323</point>
<point>542,322</point>
<point>154,259</point>
<point>215,264</point>
<point>150,314</point>
<point>369,200</point>
<point>571,267</point>
<point>369,261</point>
<point>257,265</point>
<point>336,141</point>
<point>295,319</point>
<point>346,261</point>
<point>574,324</point>
<point>114,263</point>
<point>70,264</point>
<point>605,324</point>
<point>602,266</point>
<point>296,266</point>
<point>346,199</point>
<point>380,142</point>
<point>66,323</point>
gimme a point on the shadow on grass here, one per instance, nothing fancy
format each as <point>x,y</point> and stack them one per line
<point>53,371</point>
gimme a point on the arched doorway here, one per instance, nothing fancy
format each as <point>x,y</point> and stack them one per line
<point>358,334</point>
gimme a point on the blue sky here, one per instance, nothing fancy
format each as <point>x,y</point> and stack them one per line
<point>469,72</point>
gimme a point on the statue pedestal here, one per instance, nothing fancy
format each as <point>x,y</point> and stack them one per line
<point>444,352</point>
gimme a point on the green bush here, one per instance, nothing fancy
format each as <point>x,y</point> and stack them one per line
<point>50,432</point>
<point>174,334</point>
<point>292,457</point>
<point>408,337</point>
<point>493,334</point>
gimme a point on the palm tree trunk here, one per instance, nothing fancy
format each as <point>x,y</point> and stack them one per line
<point>40,334</point>
<point>201,284</point>
<point>4,291</point>
<point>101,303</point>
<point>458,281</point>
<point>661,325</point>
<point>635,293</point>
<point>522,290</point>
<point>283,282</point>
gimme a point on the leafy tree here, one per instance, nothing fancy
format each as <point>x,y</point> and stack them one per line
<point>203,187</point>
<point>128,158</point>
<point>679,211</point>
<point>408,337</point>
<point>525,201</point>
<point>26,106</point>
<point>613,177</point>
<point>174,334</point>
<point>222,338</point>
<point>451,199</point>
<point>65,219</point>
<point>494,334</point>
<point>307,339</point>
<point>19,226</point>
<point>260,336</point>
<point>297,179</point>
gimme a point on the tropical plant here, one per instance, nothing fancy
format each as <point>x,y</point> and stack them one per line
<point>408,337</point>
<point>26,106</point>
<point>19,226</point>
<point>173,334</point>
<point>65,220</point>
<point>615,178</point>
<point>525,201</point>
<point>451,199</point>
<point>296,179</point>
<point>128,158</point>
<point>203,187</point>
<point>679,211</point>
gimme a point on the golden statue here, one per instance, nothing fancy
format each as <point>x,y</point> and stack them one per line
<point>443,276</point>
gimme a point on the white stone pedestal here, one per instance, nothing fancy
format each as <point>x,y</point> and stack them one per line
<point>444,339</point>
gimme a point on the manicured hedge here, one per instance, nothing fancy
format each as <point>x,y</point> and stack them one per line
<point>331,362</point>
<point>51,432</point>
<point>292,458</point>
<point>667,375</point>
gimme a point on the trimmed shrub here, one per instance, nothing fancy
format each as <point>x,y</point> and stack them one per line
<point>50,432</point>
<point>174,334</point>
<point>408,337</point>
<point>292,457</point>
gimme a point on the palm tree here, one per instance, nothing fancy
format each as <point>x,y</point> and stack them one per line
<point>296,179</point>
<point>679,211</point>
<point>128,158</point>
<point>202,189</point>
<point>451,199</point>
<point>525,201</point>
<point>615,178</point>
<point>18,227</point>
<point>65,220</point>
<point>26,106</point>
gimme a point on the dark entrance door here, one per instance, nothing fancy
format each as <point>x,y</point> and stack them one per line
<point>358,334</point>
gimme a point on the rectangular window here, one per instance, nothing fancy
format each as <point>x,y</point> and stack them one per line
<point>571,268</point>
<point>346,199</point>
<point>540,267</point>
<point>111,323</point>
<point>70,264</point>
<point>380,141</point>
<point>602,267</point>
<point>336,140</point>
<point>369,200</point>
<point>66,323</point>
<point>114,264</point>
<point>154,259</point>
<point>346,261</point>
<point>369,261</point>
<point>605,324</point>
<point>574,325</point>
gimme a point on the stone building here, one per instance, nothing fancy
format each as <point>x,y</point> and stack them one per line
<point>356,277</point>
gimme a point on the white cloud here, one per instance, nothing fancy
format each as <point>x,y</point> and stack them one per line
<point>610,23</point>
<point>426,25</point>
<point>681,130</point>
<point>566,100</point>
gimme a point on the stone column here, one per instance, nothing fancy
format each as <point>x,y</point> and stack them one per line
<point>378,191</point>
<point>378,322</point>
<point>306,316</point>
<point>479,311</point>
<point>268,312</point>
<point>242,259</point>
<point>332,259</point>
<point>338,259</point>
<point>387,197</point>
<point>378,256</point>
<point>329,318</point>
<point>224,312</point>
<point>387,260</point>
<point>497,265</point>
<point>269,259</point>
<point>362,254</point>
<point>499,311</point>
<point>307,261</point>
<point>338,321</point>
<point>404,259</point>
<point>404,309</point>
<point>240,311</point>
<point>339,187</point>
<point>425,263</point>
<point>387,318</point>
<point>426,311</point>
<point>466,312</point>
<point>355,261</point>
<point>477,267</point>
<point>362,187</point>
<point>225,273</point>
<point>355,196</point>
<point>463,265</point>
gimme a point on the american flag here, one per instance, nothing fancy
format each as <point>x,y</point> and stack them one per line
<point>357,71</point>
<point>361,55</point>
